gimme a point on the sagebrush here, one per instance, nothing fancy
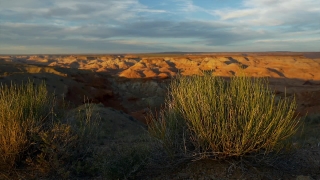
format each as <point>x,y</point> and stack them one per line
<point>209,116</point>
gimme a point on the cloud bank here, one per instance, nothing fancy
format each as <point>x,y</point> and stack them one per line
<point>99,26</point>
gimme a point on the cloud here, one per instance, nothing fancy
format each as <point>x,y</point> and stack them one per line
<point>187,6</point>
<point>148,36</point>
<point>75,11</point>
<point>291,23</point>
<point>274,12</point>
<point>212,33</point>
<point>302,40</point>
<point>130,26</point>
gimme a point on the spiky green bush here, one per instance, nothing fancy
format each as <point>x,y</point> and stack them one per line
<point>208,116</point>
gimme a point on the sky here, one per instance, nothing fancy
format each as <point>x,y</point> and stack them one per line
<point>141,26</point>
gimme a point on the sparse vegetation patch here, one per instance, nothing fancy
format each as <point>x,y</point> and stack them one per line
<point>37,136</point>
<point>206,116</point>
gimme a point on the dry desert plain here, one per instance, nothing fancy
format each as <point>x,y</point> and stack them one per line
<point>128,85</point>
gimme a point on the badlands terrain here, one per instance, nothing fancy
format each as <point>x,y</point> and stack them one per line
<point>133,83</point>
<point>130,85</point>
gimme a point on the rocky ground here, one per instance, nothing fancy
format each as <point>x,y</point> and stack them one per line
<point>131,85</point>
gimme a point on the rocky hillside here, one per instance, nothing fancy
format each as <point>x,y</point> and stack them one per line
<point>136,83</point>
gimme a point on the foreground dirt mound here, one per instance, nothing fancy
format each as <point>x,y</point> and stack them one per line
<point>117,125</point>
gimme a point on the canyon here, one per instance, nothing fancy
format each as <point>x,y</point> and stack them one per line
<point>136,83</point>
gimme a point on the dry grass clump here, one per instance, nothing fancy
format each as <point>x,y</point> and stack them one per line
<point>22,112</point>
<point>208,116</point>
<point>38,136</point>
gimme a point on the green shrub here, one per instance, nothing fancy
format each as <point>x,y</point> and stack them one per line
<point>36,135</point>
<point>208,116</point>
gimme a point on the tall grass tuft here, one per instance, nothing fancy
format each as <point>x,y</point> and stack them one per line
<point>208,116</point>
<point>37,136</point>
<point>22,112</point>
